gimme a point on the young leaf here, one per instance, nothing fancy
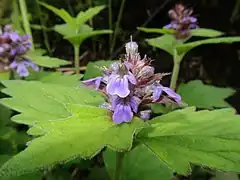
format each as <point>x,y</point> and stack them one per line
<point>55,78</point>
<point>59,12</point>
<point>79,38</point>
<point>95,69</point>
<point>140,163</point>
<point>202,32</point>
<point>40,102</point>
<point>156,30</point>
<point>195,93</point>
<point>84,133</point>
<point>83,17</point>
<point>207,138</point>
<point>184,48</point>
<point>165,42</point>
<point>46,61</point>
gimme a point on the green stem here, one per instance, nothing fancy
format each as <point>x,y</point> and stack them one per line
<point>110,22</point>
<point>76,58</point>
<point>117,25</point>
<point>176,67</point>
<point>45,35</point>
<point>119,162</point>
<point>26,24</point>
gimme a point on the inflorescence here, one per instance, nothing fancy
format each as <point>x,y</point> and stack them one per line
<point>182,21</point>
<point>130,85</point>
<point>12,48</point>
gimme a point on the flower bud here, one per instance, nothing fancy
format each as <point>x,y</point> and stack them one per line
<point>131,48</point>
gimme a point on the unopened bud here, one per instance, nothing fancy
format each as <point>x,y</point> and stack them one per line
<point>131,48</point>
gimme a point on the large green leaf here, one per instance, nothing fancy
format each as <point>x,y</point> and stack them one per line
<point>202,32</point>
<point>83,17</point>
<point>55,78</point>
<point>195,93</point>
<point>85,131</point>
<point>37,101</point>
<point>166,42</point>
<point>184,48</point>
<point>95,69</point>
<point>207,138</point>
<point>46,61</point>
<point>59,12</point>
<point>140,163</point>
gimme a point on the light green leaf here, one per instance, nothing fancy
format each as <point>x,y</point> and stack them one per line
<point>156,30</point>
<point>59,12</point>
<point>140,163</point>
<point>5,75</point>
<point>37,101</point>
<point>95,69</point>
<point>84,133</point>
<point>206,138</point>
<point>195,93</point>
<point>83,17</point>
<point>55,78</point>
<point>46,61</point>
<point>202,32</point>
<point>184,48</point>
<point>165,42</point>
<point>79,38</point>
<point>65,29</point>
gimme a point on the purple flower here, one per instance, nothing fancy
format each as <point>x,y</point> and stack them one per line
<point>21,67</point>
<point>123,108</point>
<point>159,89</point>
<point>96,82</point>
<point>118,83</point>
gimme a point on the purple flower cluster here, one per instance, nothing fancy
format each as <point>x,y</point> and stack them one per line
<point>12,48</point>
<point>182,21</point>
<point>131,85</point>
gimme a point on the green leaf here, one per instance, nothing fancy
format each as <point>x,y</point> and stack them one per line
<point>202,32</point>
<point>184,48</point>
<point>156,30</point>
<point>55,78</point>
<point>165,42</point>
<point>59,12</point>
<point>5,75</point>
<point>206,138</point>
<point>95,69</point>
<point>79,38</point>
<point>40,102</point>
<point>83,17</point>
<point>195,93</point>
<point>5,114</point>
<point>65,29</point>
<point>140,163</point>
<point>46,61</point>
<point>84,133</point>
<point>225,176</point>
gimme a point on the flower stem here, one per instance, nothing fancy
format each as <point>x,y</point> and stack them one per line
<point>26,24</point>
<point>117,25</point>
<point>177,61</point>
<point>119,162</point>
<point>76,58</point>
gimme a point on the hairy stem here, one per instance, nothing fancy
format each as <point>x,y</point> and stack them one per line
<point>176,68</point>
<point>119,162</point>
<point>117,25</point>
<point>26,24</point>
<point>76,58</point>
